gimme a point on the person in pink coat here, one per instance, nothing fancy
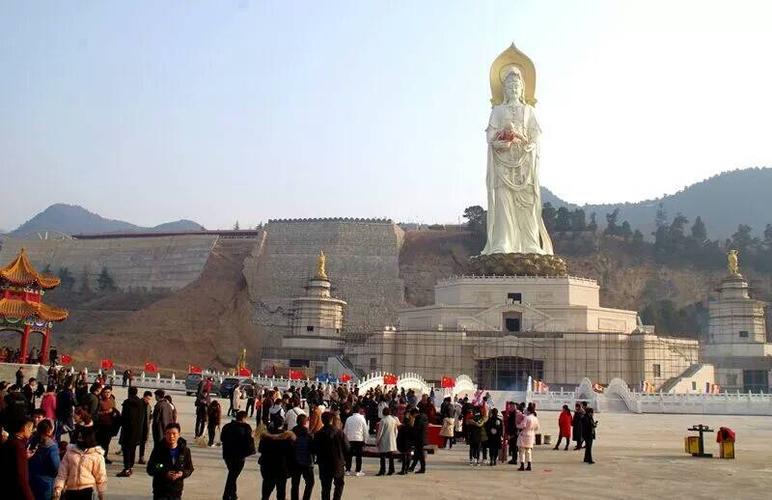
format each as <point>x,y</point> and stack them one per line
<point>48,403</point>
<point>564,423</point>
<point>526,439</point>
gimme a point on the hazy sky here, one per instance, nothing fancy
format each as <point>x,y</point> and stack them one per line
<point>217,111</point>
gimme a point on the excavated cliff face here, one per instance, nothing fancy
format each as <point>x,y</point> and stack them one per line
<point>206,323</point>
<point>627,281</point>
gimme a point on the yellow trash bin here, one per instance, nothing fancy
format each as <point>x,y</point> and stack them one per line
<point>726,449</point>
<point>692,444</point>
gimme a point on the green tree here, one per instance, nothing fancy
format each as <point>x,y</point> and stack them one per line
<point>68,282</point>
<point>476,218</point>
<point>578,221</point>
<point>699,232</point>
<point>105,281</point>
<point>593,225</point>
<point>768,236</point>
<point>549,216</point>
<point>84,281</point>
<point>625,231</point>
<point>637,237</point>
<point>661,218</point>
<point>563,220</point>
<point>612,228</point>
<point>677,226</point>
<point>742,240</point>
<point>477,222</point>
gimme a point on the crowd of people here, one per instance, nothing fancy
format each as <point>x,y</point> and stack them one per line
<point>57,436</point>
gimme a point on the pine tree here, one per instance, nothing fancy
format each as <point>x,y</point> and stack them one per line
<point>593,225</point>
<point>66,278</point>
<point>661,218</point>
<point>548,215</point>
<point>578,222</point>
<point>612,229</point>
<point>563,220</point>
<point>105,281</point>
<point>699,232</point>
<point>84,281</point>
<point>625,231</point>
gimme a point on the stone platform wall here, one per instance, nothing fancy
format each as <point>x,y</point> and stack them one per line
<point>163,262</point>
<point>362,264</point>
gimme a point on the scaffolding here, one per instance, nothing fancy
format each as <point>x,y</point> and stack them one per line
<point>504,361</point>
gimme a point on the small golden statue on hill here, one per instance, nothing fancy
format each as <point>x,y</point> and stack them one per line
<point>732,263</point>
<point>321,272</point>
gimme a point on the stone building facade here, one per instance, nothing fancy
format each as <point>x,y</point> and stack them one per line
<point>501,330</point>
<point>362,255</point>
<point>736,341</point>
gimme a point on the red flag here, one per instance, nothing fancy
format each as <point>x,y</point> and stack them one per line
<point>107,364</point>
<point>194,369</point>
<point>245,372</point>
<point>448,382</point>
<point>296,374</point>
<point>66,359</point>
<point>389,379</point>
<point>151,367</point>
<point>345,378</point>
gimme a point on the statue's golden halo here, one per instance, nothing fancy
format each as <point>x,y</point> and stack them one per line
<point>502,65</point>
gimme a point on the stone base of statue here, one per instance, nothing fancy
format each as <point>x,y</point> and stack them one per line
<point>517,264</point>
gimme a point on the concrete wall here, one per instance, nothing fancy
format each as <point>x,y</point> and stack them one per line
<point>362,264</point>
<point>168,262</point>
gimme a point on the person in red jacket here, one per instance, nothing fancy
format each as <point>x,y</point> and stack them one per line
<point>564,422</point>
<point>14,471</point>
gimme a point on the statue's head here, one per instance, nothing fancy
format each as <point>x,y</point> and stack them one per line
<point>513,85</point>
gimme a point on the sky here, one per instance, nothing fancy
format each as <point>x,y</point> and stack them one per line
<point>244,110</point>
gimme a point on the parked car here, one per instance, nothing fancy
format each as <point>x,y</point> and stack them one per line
<point>230,383</point>
<point>191,383</point>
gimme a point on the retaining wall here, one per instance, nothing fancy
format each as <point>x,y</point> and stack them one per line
<point>362,264</point>
<point>167,262</point>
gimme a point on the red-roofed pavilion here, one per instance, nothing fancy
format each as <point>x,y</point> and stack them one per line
<point>21,304</point>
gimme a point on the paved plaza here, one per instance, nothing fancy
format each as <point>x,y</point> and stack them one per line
<point>637,456</point>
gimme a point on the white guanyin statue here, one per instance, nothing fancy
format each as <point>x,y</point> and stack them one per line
<point>515,223</point>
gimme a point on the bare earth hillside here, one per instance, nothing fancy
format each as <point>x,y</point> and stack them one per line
<point>206,323</point>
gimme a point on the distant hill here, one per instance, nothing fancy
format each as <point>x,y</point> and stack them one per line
<point>74,219</point>
<point>723,201</point>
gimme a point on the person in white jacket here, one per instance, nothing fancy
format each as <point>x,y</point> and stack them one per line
<point>356,431</point>
<point>82,470</point>
<point>386,438</point>
<point>528,426</point>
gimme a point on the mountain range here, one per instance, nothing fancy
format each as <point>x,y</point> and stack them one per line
<point>74,219</point>
<point>722,201</point>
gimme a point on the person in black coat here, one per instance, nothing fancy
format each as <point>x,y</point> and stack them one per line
<point>302,460</point>
<point>169,464</point>
<point>237,445</point>
<point>420,423</point>
<point>133,416</point>
<point>588,434</point>
<point>494,429</point>
<point>576,426</point>
<point>331,448</point>
<point>65,410</point>
<point>275,455</point>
